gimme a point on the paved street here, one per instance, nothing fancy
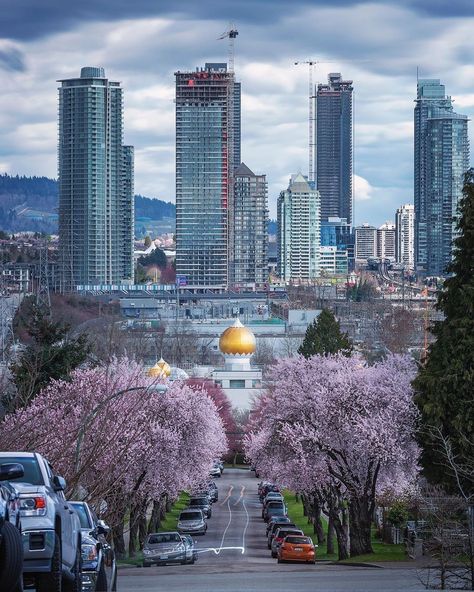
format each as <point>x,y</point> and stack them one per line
<point>233,557</point>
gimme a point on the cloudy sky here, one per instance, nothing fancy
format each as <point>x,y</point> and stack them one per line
<point>142,42</point>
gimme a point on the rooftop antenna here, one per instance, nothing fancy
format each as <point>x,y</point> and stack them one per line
<point>231,33</point>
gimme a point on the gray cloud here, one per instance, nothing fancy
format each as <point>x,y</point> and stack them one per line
<point>377,45</point>
<point>12,59</point>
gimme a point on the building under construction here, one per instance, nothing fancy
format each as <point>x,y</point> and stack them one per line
<point>207,149</point>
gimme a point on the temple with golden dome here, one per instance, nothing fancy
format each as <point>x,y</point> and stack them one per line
<point>239,380</point>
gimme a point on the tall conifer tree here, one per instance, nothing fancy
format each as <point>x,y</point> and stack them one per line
<point>445,384</point>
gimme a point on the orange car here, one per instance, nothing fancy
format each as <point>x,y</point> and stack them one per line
<point>297,548</point>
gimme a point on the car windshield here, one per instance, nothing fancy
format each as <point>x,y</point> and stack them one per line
<point>278,525</point>
<point>156,539</point>
<point>32,473</point>
<point>82,513</point>
<point>199,501</point>
<point>276,504</point>
<point>298,540</point>
<point>190,516</point>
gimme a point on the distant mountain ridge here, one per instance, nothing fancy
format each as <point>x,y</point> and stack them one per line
<point>31,203</point>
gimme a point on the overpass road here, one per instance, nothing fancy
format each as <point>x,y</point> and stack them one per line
<point>233,557</point>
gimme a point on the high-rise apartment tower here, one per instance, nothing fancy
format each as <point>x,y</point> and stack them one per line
<point>405,236</point>
<point>250,229</point>
<point>299,231</point>
<point>207,142</point>
<point>95,182</point>
<point>441,159</point>
<point>333,155</point>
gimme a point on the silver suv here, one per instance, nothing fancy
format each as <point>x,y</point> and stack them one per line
<point>192,521</point>
<point>51,529</point>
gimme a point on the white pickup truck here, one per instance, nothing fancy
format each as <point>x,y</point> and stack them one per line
<point>51,529</point>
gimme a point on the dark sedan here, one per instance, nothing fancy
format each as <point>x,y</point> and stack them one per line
<point>99,569</point>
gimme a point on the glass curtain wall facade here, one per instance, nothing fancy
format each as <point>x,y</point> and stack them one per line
<point>333,157</point>
<point>206,138</point>
<point>95,224</point>
<point>441,159</point>
<point>299,231</point>
<point>250,228</point>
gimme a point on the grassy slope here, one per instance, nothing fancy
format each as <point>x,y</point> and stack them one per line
<point>382,551</point>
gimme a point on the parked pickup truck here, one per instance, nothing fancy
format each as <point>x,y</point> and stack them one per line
<point>11,546</point>
<point>51,530</point>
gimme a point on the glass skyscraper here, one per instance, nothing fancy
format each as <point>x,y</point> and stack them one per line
<point>441,159</point>
<point>333,157</point>
<point>207,142</point>
<point>95,182</point>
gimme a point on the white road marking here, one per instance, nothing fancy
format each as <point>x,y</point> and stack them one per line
<point>241,495</point>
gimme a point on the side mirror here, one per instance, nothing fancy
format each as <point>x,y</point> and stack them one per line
<point>10,471</point>
<point>59,483</point>
<point>102,527</point>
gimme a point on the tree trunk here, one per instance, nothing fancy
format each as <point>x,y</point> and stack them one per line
<point>155,520</point>
<point>163,507</point>
<point>338,518</point>
<point>142,526</point>
<point>134,523</point>
<point>317,523</point>
<point>360,521</point>
<point>330,537</point>
<point>118,540</point>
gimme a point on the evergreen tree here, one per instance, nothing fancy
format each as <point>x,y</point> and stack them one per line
<point>52,354</point>
<point>324,336</point>
<point>445,384</point>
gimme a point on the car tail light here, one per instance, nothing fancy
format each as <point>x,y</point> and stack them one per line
<point>33,505</point>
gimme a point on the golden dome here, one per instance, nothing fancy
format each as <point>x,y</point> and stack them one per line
<point>160,370</point>
<point>237,340</point>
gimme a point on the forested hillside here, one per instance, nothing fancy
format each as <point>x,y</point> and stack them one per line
<point>31,203</point>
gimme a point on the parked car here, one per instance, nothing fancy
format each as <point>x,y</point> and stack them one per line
<point>297,548</point>
<point>279,537</point>
<point>220,464</point>
<point>276,519</point>
<point>11,544</point>
<point>215,471</point>
<point>265,488</point>
<point>202,503</point>
<point>213,491</point>
<point>274,508</point>
<point>192,551</point>
<point>51,531</point>
<point>192,521</point>
<point>166,547</point>
<point>99,568</point>
<point>274,529</point>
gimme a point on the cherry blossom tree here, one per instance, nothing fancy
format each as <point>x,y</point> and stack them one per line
<point>335,427</point>
<point>136,442</point>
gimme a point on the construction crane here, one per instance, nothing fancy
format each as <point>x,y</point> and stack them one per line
<point>231,34</point>
<point>311,121</point>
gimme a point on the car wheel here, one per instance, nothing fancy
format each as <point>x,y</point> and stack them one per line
<point>11,557</point>
<point>18,587</point>
<point>279,560</point>
<point>75,585</point>
<point>274,555</point>
<point>51,582</point>
<point>101,584</point>
<point>146,564</point>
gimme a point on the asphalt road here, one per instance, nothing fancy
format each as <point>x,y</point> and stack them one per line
<point>233,557</point>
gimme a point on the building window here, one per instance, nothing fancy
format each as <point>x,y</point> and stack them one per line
<point>237,384</point>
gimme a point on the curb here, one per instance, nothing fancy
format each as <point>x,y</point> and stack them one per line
<point>356,564</point>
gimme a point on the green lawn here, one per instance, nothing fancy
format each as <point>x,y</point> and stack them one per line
<point>382,551</point>
<point>169,523</point>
